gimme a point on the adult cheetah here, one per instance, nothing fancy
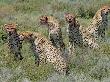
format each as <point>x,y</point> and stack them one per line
<point>14,42</point>
<point>99,23</point>
<point>77,34</point>
<point>74,34</point>
<point>55,34</point>
<point>46,51</point>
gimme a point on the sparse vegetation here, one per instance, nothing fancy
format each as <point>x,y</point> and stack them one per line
<point>86,65</point>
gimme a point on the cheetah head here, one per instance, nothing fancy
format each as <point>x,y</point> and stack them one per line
<point>70,18</point>
<point>25,36</point>
<point>43,20</point>
<point>105,10</point>
<point>10,28</point>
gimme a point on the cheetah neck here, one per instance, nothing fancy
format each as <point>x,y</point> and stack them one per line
<point>53,25</point>
<point>32,44</point>
<point>72,25</point>
<point>13,35</point>
<point>99,17</point>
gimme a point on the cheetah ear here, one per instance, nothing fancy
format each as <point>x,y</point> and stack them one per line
<point>46,18</point>
<point>31,35</point>
<point>102,10</point>
<point>109,9</point>
<point>16,24</point>
<point>5,25</point>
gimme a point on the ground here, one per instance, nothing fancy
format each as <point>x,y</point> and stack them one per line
<point>91,66</point>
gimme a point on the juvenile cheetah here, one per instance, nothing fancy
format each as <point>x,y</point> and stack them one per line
<point>14,42</point>
<point>74,34</point>
<point>27,36</point>
<point>77,34</point>
<point>55,34</point>
<point>46,51</point>
<point>99,23</point>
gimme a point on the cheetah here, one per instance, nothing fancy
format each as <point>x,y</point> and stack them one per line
<point>27,37</point>
<point>77,34</point>
<point>47,51</point>
<point>99,23</point>
<point>74,34</point>
<point>14,42</point>
<point>55,34</point>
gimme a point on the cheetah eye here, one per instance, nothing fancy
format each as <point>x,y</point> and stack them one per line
<point>41,19</point>
<point>7,28</point>
<point>12,28</point>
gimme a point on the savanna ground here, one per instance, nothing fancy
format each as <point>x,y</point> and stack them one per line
<point>86,66</point>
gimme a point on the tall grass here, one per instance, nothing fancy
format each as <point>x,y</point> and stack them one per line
<point>86,65</point>
<point>82,8</point>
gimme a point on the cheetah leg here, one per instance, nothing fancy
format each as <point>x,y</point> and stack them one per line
<point>42,59</point>
<point>101,35</point>
<point>62,46</point>
<point>96,35</point>
<point>37,60</point>
<point>71,48</point>
<point>61,43</point>
<point>61,69</point>
<point>52,39</point>
<point>36,54</point>
<point>18,55</point>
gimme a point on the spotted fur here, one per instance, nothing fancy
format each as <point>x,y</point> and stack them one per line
<point>74,34</point>
<point>14,42</point>
<point>46,51</point>
<point>77,34</point>
<point>55,33</point>
<point>99,23</point>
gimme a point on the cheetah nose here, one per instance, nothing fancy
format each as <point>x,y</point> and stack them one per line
<point>10,33</point>
<point>106,13</point>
